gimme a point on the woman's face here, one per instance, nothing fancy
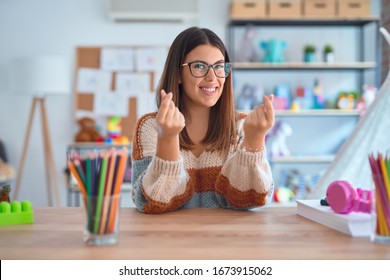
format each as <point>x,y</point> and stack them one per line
<point>206,91</point>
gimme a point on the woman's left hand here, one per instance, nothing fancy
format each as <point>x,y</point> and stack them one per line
<point>258,122</point>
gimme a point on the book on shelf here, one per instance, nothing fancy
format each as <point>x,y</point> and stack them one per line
<point>354,224</point>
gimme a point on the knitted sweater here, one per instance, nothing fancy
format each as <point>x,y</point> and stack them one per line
<point>236,180</point>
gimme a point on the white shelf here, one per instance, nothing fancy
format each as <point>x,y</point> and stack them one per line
<point>304,159</point>
<point>304,65</point>
<point>314,112</point>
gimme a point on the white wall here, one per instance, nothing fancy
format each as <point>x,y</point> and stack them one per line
<point>42,27</point>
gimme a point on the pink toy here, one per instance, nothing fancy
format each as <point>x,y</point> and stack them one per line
<point>344,199</point>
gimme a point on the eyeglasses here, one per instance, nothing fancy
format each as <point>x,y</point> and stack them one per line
<point>199,69</point>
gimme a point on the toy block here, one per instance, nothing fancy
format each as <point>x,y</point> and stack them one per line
<point>16,213</point>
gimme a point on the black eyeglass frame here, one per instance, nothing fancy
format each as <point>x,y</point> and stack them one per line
<point>208,68</point>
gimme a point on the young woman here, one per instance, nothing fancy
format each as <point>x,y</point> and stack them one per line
<point>196,151</point>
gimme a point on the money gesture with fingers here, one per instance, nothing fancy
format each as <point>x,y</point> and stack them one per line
<point>257,124</point>
<point>170,121</point>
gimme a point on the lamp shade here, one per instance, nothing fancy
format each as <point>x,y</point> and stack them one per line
<point>43,75</point>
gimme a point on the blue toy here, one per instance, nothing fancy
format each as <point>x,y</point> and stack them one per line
<point>273,50</point>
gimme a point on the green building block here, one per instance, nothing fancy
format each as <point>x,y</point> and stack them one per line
<point>16,213</point>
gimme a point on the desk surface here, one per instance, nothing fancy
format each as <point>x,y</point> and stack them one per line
<point>268,233</point>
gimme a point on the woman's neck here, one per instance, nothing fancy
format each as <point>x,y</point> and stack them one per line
<point>197,121</point>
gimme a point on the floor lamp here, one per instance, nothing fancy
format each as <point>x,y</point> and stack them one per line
<point>39,77</point>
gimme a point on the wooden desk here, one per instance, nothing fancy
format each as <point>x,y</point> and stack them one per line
<point>269,233</point>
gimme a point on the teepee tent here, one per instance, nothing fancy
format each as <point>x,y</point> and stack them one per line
<point>371,135</point>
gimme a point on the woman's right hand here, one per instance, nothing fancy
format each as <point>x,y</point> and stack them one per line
<point>170,121</point>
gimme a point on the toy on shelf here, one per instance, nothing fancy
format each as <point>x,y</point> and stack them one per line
<point>4,193</point>
<point>282,97</point>
<point>368,96</point>
<point>273,50</point>
<point>283,194</point>
<point>303,98</point>
<point>246,52</point>
<point>249,97</point>
<point>301,185</point>
<point>16,213</point>
<point>88,131</point>
<point>114,131</point>
<point>276,139</point>
<point>318,96</point>
<point>346,100</point>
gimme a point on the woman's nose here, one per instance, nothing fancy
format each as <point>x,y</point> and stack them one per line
<point>211,75</point>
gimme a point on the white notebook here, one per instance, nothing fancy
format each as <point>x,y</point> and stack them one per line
<point>353,224</point>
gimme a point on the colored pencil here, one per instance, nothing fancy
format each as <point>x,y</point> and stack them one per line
<point>76,175</point>
<point>107,189</point>
<point>382,202</point>
<point>102,180</point>
<point>80,170</point>
<point>117,188</point>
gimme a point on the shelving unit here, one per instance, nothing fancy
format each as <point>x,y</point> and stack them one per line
<point>326,128</point>
<point>305,66</point>
<point>360,65</point>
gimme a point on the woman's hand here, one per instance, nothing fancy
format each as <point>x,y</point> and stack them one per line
<point>170,121</point>
<point>257,124</point>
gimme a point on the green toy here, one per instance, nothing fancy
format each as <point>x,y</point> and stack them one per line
<point>16,213</point>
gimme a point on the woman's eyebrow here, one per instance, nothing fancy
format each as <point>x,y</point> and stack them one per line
<point>220,61</point>
<point>199,60</point>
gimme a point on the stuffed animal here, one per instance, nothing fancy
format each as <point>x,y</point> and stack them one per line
<point>88,131</point>
<point>273,50</point>
<point>276,139</point>
<point>368,96</point>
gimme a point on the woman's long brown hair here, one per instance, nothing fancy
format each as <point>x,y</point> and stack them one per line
<point>222,125</point>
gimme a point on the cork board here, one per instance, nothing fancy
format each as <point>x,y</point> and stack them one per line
<point>89,57</point>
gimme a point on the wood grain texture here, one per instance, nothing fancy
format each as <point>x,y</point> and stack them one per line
<point>268,233</point>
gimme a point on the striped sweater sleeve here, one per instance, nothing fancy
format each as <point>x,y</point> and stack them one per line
<point>158,185</point>
<point>245,180</point>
